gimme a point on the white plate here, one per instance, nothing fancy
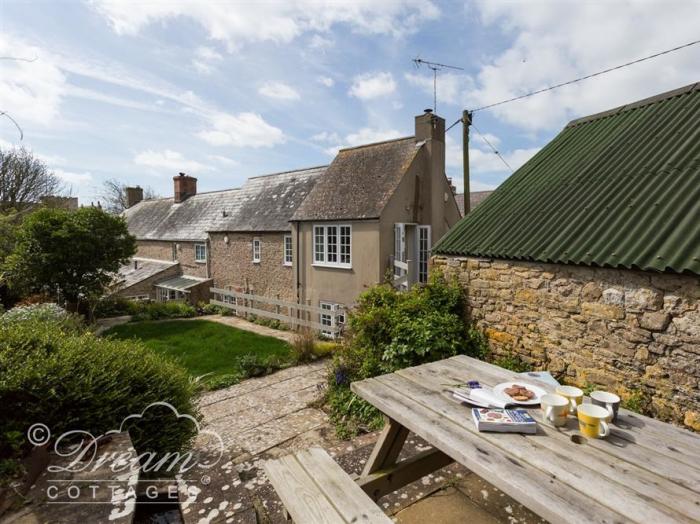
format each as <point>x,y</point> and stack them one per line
<point>538,391</point>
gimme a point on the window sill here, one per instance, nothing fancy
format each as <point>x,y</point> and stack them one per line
<point>200,261</point>
<point>256,262</point>
<point>332,266</point>
<point>287,264</point>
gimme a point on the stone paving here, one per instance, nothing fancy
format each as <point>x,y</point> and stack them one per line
<point>270,416</point>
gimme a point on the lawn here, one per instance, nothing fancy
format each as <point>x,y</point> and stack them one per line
<point>207,348</point>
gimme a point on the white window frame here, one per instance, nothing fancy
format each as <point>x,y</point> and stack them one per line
<point>196,255</point>
<point>326,319</point>
<point>334,253</point>
<point>257,250</point>
<point>423,252</point>
<point>288,250</point>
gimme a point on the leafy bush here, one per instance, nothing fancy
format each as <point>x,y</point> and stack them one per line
<point>512,362</point>
<point>161,310</point>
<point>117,307</point>
<point>390,330</point>
<point>204,308</point>
<point>77,381</point>
<point>49,313</point>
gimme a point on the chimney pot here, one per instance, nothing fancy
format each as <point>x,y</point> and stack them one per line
<point>428,111</point>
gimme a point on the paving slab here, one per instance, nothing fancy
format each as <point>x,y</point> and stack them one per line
<point>447,506</point>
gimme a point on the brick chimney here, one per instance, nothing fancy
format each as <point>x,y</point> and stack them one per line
<point>134,195</point>
<point>185,187</point>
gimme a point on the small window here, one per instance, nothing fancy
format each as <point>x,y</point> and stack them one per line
<point>287,250</point>
<point>423,253</point>
<point>256,250</point>
<point>332,245</point>
<point>326,319</point>
<point>200,252</point>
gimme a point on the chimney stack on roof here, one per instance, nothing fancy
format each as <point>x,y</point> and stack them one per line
<point>185,187</point>
<point>134,195</point>
<point>429,126</point>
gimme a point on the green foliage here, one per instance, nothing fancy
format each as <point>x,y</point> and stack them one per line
<point>213,309</point>
<point>77,381</point>
<point>390,330</point>
<point>9,226</point>
<point>47,313</point>
<point>116,307</point>
<point>77,252</point>
<point>303,347</point>
<point>637,401</point>
<point>349,414</point>
<point>324,348</point>
<point>162,310</point>
<point>215,354</point>
<point>512,362</point>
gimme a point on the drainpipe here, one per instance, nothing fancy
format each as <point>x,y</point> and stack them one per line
<point>466,122</point>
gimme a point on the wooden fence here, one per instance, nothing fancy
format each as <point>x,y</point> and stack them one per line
<point>296,315</point>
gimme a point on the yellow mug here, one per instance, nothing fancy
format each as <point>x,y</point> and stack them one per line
<point>592,421</point>
<point>573,395</point>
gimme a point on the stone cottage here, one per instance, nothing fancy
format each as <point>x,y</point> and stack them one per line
<point>316,236</point>
<point>586,261</point>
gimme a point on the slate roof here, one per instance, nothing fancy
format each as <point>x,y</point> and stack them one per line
<point>263,203</point>
<point>181,283</point>
<point>268,202</point>
<point>615,189</point>
<point>359,182</point>
<point>127,276</point>
<point>475,198</point>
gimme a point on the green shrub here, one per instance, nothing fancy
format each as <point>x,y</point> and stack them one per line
<point>324,348</point>
<point>512,362</point>
<point>165,310</point>
<point>390,330</point>
<point>78,381</point>
<point>117,307</point>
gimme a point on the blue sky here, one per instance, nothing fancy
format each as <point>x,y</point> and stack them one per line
<point>225,90</point>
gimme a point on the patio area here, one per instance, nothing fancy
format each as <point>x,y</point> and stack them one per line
<point>273,416</point>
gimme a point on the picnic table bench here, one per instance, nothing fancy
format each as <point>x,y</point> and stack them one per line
<point>645,471</point>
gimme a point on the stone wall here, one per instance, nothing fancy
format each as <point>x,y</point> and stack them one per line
<point>232,265</point>
<point>184,253</point>
<point>634,332</point>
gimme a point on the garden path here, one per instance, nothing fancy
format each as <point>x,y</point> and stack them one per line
<point>237,322</point>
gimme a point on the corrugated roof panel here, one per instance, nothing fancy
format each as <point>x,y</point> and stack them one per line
<point>618,189</point>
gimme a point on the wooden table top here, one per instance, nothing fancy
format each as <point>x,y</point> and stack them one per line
<point>645,471</point>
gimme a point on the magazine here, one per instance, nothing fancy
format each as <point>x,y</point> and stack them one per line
<point>504,420</point>
<point>482,397</point>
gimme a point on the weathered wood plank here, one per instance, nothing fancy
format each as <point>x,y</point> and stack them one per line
<point>384,481</point>
<point>543,493</point>
<point>669,468</point>
<point>660,437</point>
<point>627,470</point>
<point>267,300</point>
<point>349,500</point>
<point>561,458</point>
<point>299,493</point>
<point>278,316</point>
<point>388,446</point>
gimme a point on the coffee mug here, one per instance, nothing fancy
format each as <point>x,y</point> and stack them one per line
<point>573,395</point>
<point>609,401</point>
<point>592,420</point>
<point>555,408</point>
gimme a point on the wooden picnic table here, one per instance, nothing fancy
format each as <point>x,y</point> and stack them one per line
<point>645,471</point>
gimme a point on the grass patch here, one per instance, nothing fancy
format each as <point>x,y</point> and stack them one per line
<point>223,355</point>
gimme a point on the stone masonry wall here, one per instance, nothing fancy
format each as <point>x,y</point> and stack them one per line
<point>633,332</point>
<point>163,250</point>
<point>232,265</point>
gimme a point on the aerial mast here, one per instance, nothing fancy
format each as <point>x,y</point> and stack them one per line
<point>435,67</point>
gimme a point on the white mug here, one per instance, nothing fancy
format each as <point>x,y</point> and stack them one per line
<point>555,409</point>
<point>609,401</point>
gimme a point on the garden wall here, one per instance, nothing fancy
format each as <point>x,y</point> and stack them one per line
<point>634,332</point>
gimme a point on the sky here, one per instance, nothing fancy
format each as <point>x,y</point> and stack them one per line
<point>139,91</point>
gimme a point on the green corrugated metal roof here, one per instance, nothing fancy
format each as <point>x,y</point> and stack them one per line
<point>616,189</point>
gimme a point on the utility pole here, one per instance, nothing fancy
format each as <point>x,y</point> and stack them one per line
<point>466,122</point>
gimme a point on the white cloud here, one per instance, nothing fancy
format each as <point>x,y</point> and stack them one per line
<point>224,160</point>
<point>366,135</point>
<point>556,42</point>
<point>319,42</point>
<point>31,92</point>
<point>325,136</point>
<point>169,160</point>
<point>205,59</point>
<point>278,91</point>
<point>73,178</point>
<point>241,130</point>
<point>278,22</point>
<point>372,85</point>
<point>326,81</point>
<point>482,159</point>
<point>451,87</point>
